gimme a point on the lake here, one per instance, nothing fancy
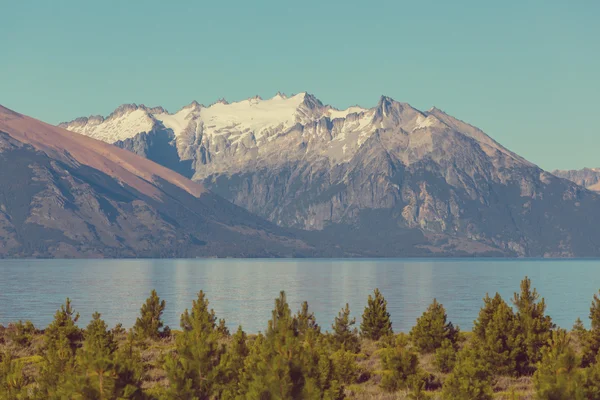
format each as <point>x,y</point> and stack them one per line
<point>243,291</point>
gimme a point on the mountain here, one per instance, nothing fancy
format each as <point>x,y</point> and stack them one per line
<point>66,195</point>
<point>587,177</point>
<point>387,180</point>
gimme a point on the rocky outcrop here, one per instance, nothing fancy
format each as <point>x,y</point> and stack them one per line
<point>587,177</point>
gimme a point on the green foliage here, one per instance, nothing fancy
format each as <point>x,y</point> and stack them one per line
<point>432,329</point>
<point>193,369</point>
<point>345,367</point>
<point>557,376</point>
<point>21,334</point>
<point>498,338</point>
<point>398,364</point>
<point>533,324</point>
<point>445,356</point>
<point>62,338</point>
<point>232,364</point>
<point>376,321</point>
<point>12,381</point>
<point>148,325</point>
<point>471,378</point>
<point>343,335</point>
<point>590,340</point>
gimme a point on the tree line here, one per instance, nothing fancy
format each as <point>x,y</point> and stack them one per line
<point>294,358</point>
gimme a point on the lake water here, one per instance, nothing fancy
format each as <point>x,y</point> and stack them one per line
<point>243,291</point>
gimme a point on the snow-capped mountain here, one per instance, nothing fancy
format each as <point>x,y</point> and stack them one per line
<point>391,174</point>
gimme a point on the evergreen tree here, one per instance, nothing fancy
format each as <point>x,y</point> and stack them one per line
<point>148,325</point>
<point>398,364</point>
<point>376,321</point>
<point>497,337</point>
<point>232,365</point>
<point>344,336</point>
<point>306,320</point>
<point>96,375</point>
<point>432,329</point>
<point>534,326</point>
<point>557,375</point>
<point>12,380</point>
<point>193,371</point>
<point>445,356</point>
<point>470,379</point>
<point>590,340</point>
<point>62,338</point>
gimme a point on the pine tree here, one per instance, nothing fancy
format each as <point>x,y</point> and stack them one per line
<point>557,375</point>
<point>306,320</point>
<point>193,370</point>
<point>399,364</point>
<point>497,337</point>
<point>534,326</point>
<point>62,338</point>
<point>148,325</point>
<point>12,380</point>
<point>376,321</point>
<point>232,365</point>
<point>343,335</point>
<point>445,356</point>
<point>432,329</point>
<point>470,379</point>
<point>590,340</point>
<point>95,364</point>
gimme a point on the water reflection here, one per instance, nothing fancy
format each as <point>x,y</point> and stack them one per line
<point>243,291</point>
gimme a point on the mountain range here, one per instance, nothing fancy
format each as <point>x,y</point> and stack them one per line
<point>390,180</point>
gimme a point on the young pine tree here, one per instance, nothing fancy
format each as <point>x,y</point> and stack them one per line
<point>590,340</point>
<point>12,380</point>
<point>96,377</point>
<point>148,325</point>
<point>62,338</point>
<point>432,329</point>
<point>399,364</point>
<point>470,379</point>
<point>193,370</point>
<point>343,335</point>
<point>533,324</point>
<point>558,375</point>
<point>376,321</point>
<point>497,337</point>
<point>232,365</point>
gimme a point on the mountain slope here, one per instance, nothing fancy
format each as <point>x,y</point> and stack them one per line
<point>66,195</point>
<point>385,171</point>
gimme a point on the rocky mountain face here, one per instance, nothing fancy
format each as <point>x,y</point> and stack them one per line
<point>66,195</point>
<point>392,176</point>
<point>587,177</point>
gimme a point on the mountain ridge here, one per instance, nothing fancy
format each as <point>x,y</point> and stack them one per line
<point>305,165</point>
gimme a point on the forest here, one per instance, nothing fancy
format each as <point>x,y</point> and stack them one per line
<point>513,351</point>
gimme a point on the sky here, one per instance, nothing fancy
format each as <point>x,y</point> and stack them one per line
<point>524,71</point>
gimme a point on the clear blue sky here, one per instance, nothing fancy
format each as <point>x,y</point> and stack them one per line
<point>526,71</point>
